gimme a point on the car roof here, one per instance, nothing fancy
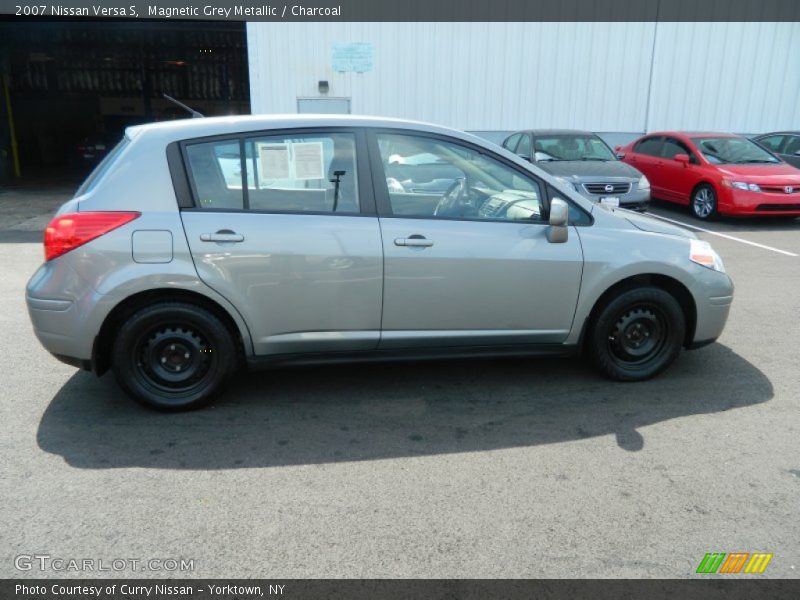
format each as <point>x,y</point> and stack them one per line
<point>556,132</point>
<point>189,128</point>
<point>763,135</point>
<point>690,134</point>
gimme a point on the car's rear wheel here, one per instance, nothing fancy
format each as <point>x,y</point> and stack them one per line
<point>172,356</point>
<point>704,202</point>
<point>637,334</point>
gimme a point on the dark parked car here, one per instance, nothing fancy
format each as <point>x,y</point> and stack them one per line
<point>785,144</point>
<point>584,161</point>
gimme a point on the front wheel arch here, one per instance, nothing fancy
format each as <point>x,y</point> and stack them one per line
<point>669,284</point>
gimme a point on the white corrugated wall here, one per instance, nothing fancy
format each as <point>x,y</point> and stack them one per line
<point>609,77</point>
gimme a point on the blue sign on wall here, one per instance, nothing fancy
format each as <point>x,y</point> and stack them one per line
<point>355,56</point>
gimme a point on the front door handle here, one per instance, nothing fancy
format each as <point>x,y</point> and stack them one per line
<point>416,241</point>
<point>223,235</point>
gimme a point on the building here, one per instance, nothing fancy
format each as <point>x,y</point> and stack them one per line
<point>618,79</point>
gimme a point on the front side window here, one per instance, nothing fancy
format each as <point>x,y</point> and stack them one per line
<point>672,147</point>
<point>732,150</point>
<point>511,143</point>
<point>524,147</point>
<point>571,147</point>
<point>793,146</point>
<point>772,142</point>
<point>430,177</point>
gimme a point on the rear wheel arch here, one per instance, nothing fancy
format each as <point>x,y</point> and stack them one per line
<point>669,284</point>
<point>101,353</point>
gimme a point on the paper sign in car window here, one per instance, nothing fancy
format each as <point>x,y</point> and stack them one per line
<point>274,161</point>
<point>308,160</point>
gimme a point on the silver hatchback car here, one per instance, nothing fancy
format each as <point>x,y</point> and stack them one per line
<point>201,246</point>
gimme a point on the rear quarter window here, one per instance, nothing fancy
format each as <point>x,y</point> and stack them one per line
<point>102,168</point>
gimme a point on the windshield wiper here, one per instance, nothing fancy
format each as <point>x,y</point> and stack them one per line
<point>755,160</point>
<point>595,158</point>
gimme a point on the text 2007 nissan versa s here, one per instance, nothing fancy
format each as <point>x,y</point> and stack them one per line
<point>200,246</point>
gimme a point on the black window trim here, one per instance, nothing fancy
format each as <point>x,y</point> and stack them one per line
<point>688,149</point>
<point>366,199</point>
<point>382,191</point>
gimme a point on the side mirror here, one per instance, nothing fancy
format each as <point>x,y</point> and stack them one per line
<point>557,232</point>
<point>681,158</point>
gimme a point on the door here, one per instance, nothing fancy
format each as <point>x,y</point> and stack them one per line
<point>468,263</point>
<point>297,249</point>
<point>677,179</point>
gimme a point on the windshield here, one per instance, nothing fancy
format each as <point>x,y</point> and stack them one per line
<point>101,169</point>
<point>572,147</point>
<point>732,150</point>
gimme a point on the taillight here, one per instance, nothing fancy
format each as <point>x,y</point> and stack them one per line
<point>67,232</point>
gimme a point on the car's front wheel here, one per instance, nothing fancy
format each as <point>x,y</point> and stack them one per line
<point>704,202</point>
<point>637,334</point>
<point>172,355</point>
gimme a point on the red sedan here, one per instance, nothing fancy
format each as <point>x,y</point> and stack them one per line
<point>715,173</point>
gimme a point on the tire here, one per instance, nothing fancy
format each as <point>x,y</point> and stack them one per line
<point>172,356</point>
<point>704,202</point>
<point>637,334</point>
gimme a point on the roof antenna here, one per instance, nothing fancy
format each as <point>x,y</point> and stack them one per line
<point>193,112</point>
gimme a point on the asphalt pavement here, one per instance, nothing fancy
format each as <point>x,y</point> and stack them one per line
<point>499,468</point>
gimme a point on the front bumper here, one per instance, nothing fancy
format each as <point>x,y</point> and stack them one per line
<point>746,203</point>
<point>636,199</point>
<point>713,296</point>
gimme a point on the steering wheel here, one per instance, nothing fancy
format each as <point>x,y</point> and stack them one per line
<point>454,200</point>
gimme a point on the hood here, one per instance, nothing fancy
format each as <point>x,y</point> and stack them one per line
<point>779,173</point>
<point>585,169</point>
<point>651,224</point>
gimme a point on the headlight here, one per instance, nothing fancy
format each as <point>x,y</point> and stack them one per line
<point>644,183</point>
<point>703,254</point>
<point>742,185</point>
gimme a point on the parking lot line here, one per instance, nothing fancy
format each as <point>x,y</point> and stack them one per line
<point>724,235</point>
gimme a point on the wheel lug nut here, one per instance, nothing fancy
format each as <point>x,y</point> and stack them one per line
<point>186,355</point>
<point>172,347</point>
<point>163,359</point>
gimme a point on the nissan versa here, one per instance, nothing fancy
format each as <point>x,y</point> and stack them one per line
<point>199,246</point>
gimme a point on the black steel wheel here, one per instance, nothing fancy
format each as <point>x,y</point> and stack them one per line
<point>637,334</point>
<point>172,355</point>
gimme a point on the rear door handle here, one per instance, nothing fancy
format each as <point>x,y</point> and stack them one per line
<point>223,235</point>
<point>416,241</point>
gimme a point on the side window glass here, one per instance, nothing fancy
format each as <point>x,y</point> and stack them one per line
<point>215,169</point>
<point>524,148</point>
<point>672,147</point>
<point>772,143</point>
<point>429,177</point>
<point>793,146</point>
<point>302,173</point>
<point>649,146</point>
<point>511,143</point>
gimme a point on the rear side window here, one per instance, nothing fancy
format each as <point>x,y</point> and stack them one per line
<point>649,146</point>
<point>286,173</point>
<point>215,169</point>
<point>102,168</point>
<point>304,172</point>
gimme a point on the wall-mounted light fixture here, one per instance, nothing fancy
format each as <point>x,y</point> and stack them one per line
<point>323,87</point>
